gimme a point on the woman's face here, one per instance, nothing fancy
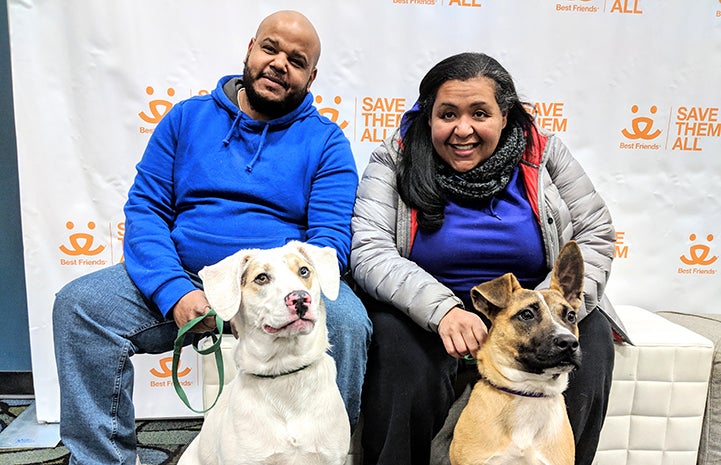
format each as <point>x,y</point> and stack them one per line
<point>466,122</point>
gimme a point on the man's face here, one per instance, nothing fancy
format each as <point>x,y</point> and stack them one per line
<point>280,67</point>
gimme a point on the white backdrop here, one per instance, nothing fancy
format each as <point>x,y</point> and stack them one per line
<point>632,86</point>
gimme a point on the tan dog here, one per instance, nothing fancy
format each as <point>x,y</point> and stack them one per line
<point>516,413</point>
<point>283,406</point>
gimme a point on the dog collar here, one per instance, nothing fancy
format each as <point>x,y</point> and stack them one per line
<point>278,375</point>
<point>515,392</point>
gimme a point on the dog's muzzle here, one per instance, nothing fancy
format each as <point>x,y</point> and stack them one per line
<point>299,302</point>
<point>558,351</point>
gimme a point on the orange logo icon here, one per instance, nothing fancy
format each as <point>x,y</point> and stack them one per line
<point>166,370</point>
<point>158,107</point>
<point>641,126</point>
<point>699,253</point>
<point>81,243</point>
<point>331,113</point>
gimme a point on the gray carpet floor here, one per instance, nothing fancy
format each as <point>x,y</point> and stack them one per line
<point>160,442</point>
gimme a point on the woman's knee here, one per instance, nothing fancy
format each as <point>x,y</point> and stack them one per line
<point>409,354</point>
<point>589,386</point>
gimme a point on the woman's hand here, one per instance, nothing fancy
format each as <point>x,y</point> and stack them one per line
<point>462,332</point>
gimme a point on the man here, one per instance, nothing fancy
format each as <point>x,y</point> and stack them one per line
<point>251,165</point>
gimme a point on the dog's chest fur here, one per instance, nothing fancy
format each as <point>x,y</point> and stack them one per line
<point>514,433</point>
<point>283,407</point>
<point>535,421</point>
<point>284,420</point>
<point>516,414</point>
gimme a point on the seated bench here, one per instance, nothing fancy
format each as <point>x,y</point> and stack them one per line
<point>657,401</point>
<point>658,393</point>
<point>709,326</point>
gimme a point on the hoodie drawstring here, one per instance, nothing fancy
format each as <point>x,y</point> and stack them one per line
<point>226,139</point>
<point>261,144</point>
<point>256,157</point>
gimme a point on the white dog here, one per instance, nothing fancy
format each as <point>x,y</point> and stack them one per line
<point>283,407</point>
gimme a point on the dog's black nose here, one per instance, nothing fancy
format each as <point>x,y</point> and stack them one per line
<point>565,342</point>
<point>299,301</point>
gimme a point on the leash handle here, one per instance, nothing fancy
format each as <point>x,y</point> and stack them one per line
<point>214,348</point>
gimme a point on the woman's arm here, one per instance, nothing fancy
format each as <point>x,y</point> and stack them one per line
<point>587,219</point>
<point>377,266</point>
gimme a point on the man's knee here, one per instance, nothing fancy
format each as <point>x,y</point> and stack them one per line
<point>66,302</point>
<point>347,317</point>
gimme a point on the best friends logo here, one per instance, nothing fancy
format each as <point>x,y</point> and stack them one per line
<point>577,6</point>
<point>688,127</point>
<point>164,371</point>
<point>82,247</point>
<point>642,130</point>
<point>699,257</point>
<point>332,112</point>
<point>624,7</point>
<point>159,106</point>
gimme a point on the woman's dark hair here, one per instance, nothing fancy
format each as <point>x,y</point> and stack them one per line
<point>417,166</point>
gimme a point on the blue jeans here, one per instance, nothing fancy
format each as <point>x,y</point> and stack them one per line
<point>101,319</point>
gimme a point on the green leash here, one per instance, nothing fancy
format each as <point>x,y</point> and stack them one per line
<point>214,348</point>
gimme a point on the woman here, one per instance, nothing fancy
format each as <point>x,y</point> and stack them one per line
<point>466,190</point>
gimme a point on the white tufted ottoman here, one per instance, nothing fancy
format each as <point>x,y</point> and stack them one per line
<point>658,394</point>
<point>709,326</point>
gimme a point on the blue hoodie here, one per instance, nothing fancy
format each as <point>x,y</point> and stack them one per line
<point>213,181</point>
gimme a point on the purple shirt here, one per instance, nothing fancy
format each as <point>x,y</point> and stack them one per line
<point>482,241</point>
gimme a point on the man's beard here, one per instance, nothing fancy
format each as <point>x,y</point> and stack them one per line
<point>269,108</point>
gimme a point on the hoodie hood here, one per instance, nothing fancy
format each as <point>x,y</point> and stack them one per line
<point>225,94</point>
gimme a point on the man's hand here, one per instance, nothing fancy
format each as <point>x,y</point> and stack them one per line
<point>190,306</point>
<point>462,332</point>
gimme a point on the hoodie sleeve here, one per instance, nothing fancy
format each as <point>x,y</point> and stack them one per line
<point>332,195</point>
<point>150,254</point>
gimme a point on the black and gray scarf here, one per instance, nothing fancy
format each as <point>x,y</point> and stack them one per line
<point>489,177</point>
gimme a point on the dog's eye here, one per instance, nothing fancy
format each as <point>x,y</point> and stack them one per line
<point>526,314</point>
<point>572,317</point>
<point>262,279</point>
<point>304,272</point>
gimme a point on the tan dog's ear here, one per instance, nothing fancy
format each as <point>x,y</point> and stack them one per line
<point>221,283</point>
<point>492,296</point>
<point>567,277</point>
<point>325,262</point>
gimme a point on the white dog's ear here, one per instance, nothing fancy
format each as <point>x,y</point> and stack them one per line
<point>325,262</point>
<point>221,283</point>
